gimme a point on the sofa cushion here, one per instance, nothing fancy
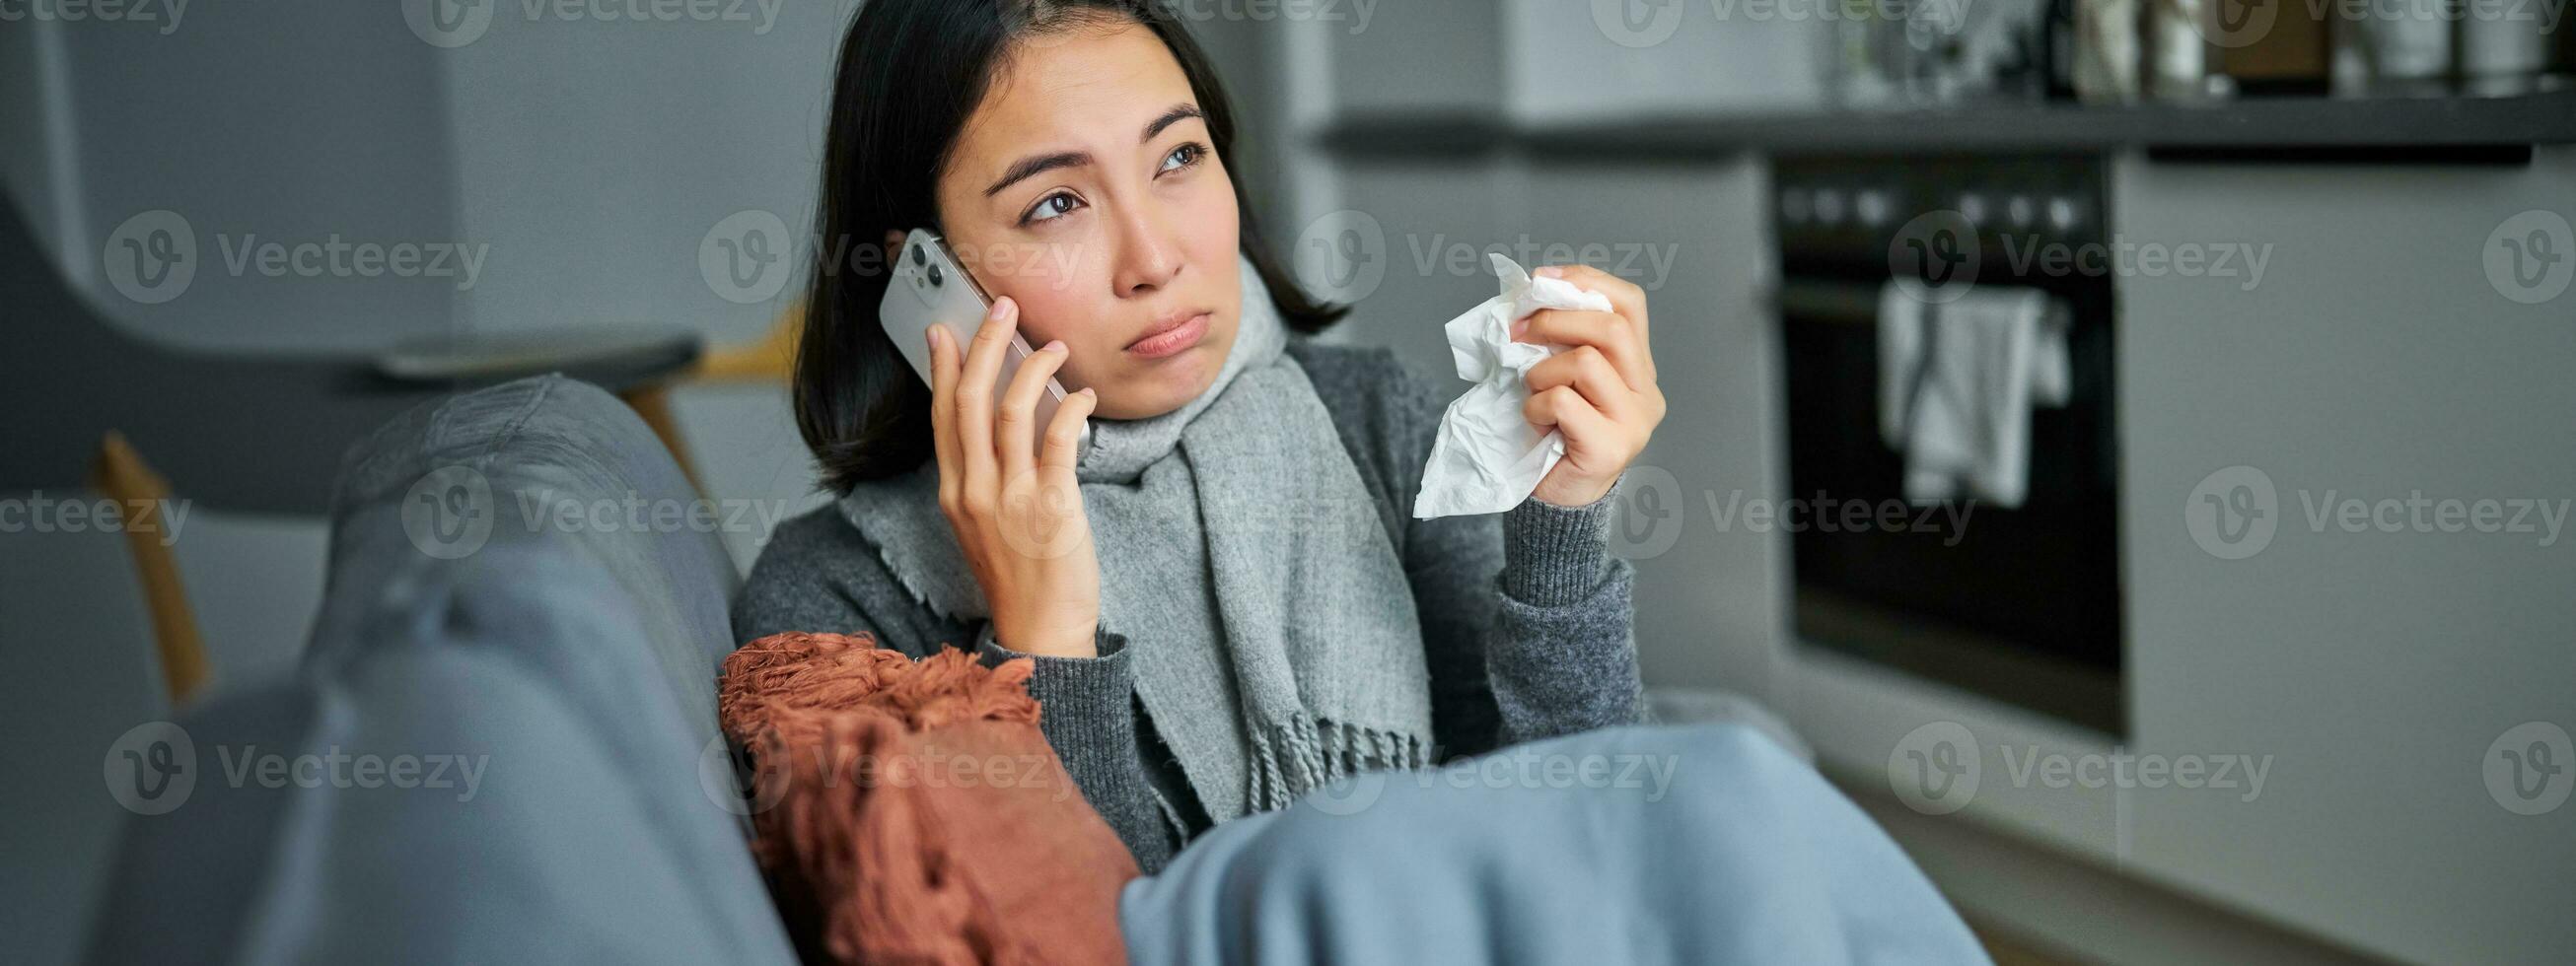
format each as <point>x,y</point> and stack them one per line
<point>565,670</point>
<point>535,459</point>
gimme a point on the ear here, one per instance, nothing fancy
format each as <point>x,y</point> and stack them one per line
<point>894,244</point>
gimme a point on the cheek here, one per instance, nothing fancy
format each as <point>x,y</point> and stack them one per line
<point>1214,221</point>
<point>1048,279</point>
<point>1056,304</point>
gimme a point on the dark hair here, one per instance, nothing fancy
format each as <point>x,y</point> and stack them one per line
<point>910,74</point>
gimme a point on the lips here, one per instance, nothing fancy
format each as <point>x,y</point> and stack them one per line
<point>1171,333</point>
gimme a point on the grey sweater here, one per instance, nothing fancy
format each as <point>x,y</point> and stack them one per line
<point>1525,615</point>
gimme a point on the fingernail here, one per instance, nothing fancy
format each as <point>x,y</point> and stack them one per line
<point>1001,305</point>
<point>1053,345</point>
<point>932,333</point>
<point>1086,390</point>
<point>1550,271</point>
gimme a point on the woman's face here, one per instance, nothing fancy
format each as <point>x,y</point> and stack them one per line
<point>1085,188</point>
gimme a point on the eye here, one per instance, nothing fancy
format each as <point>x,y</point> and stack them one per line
<point>1051,207</point>
<point>1185,156</point>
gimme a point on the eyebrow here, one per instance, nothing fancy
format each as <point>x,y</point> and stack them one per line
<point>1035,165</point>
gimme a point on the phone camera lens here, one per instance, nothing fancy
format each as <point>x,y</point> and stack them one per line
<point>934,275</point>
<point>917,256</point>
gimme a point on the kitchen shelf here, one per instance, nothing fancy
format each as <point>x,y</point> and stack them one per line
<point>2428,128</point>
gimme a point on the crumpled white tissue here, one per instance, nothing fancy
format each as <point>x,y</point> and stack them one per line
<point>1488,457</point>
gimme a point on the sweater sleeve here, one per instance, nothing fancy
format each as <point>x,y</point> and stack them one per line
<point>1526,617</point>
<point>1086,708</point>
<point>1564,654</point>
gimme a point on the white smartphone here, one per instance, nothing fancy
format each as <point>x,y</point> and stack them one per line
<point>926,286</point>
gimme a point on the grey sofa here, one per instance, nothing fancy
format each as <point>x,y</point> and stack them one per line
<point>479,615</point>
<point>466,620</point>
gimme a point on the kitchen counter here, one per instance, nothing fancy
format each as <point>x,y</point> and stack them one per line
<point>2430,128</point>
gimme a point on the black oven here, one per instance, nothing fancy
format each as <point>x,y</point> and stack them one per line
<point>2020,604</point>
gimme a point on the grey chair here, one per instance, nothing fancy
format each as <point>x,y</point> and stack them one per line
<point>84,404</point>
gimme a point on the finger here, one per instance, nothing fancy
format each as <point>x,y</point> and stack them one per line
<point>1601,330</point>
<point>1625,297</point>
<point>1016,424</point>
<point>1566,411</point>
<point>975,393</point>
<point>943,419</point>
<point>1591,374</point>
<point>1064,433</point>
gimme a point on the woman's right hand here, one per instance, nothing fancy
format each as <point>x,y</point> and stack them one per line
<point>1018,514</point>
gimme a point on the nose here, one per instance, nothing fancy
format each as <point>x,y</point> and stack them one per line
<point>1148,254</point>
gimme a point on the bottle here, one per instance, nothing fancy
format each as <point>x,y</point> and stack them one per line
<point>2503,48</point>
<point>2272,46</point>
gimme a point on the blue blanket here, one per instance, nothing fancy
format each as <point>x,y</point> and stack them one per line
<point>1645,844</point>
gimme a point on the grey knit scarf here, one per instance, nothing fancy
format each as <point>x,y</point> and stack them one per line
<point>1274,634</point>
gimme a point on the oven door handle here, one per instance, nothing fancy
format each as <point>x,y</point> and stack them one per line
<point>1838,301</point>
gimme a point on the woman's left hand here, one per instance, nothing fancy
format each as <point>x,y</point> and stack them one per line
<point>1601,393</point>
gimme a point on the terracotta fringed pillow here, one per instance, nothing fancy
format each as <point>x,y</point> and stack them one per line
<point>912,812</point>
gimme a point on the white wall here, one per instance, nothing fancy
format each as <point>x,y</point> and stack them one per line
<point>290,121</point>
<point>2374,360</point>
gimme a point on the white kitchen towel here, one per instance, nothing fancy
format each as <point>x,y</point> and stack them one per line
<point>1488,457</point>
<point>1958,378</point>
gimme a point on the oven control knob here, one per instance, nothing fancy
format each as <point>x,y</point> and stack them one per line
<point>1972,206</point>
<point>1829,206</point>
<point>1793,206</point>
<point>1873,208</point>
<point>2065,214</point>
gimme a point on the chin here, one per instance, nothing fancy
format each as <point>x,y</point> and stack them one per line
<point>1168,384</point>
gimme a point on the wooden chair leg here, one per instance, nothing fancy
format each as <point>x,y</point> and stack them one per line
<point>121,474</point>
<point>653,402</point>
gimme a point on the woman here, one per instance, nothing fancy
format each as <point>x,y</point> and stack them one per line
<point>1269,618</point>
